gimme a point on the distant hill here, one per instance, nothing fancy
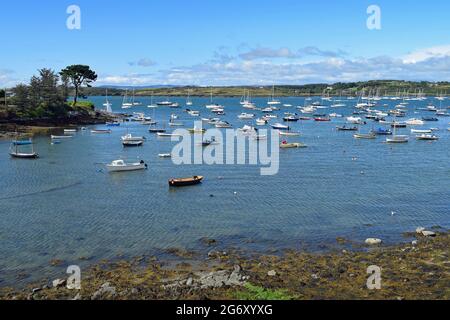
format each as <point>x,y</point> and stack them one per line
<point>381,87</point>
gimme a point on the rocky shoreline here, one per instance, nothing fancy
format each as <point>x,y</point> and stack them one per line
<point>417,270</point>
<point>22,128</point>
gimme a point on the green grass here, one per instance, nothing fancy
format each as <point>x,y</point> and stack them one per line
<point>253,292</point>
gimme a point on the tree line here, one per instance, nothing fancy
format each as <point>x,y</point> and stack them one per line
<point>47,93</point>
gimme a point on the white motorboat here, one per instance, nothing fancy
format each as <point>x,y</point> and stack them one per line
<point>246,116</point>
<point>223,124</point>
<point>425,131</point>
<point>261,122</point>
<point>53,137</point>
<point>120,166</point>
<point>165,155</point>
<point>415,122</point>
<point>247,130</point>
<point>167,135</point>
<point>279,126</point>
<point>289,133</point>
<point>429,137</point>
<point>194,113</point>
<point>70,130</point>
<point>129,137</point>
<point>100,131</point>
<point>354,120</point>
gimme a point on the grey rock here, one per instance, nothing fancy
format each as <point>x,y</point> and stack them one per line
<point>77,297</point>
<point>272,273</point>
<point>35,290</point>
<point>58,283</point>
<point>419,230</point>
<point>373,241</point>
<point>106,291</point>
<point>205,280</point>
<point>134,291</point>
<point>428,233</point>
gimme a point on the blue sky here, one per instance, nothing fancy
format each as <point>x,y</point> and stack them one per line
<point>215,42</point>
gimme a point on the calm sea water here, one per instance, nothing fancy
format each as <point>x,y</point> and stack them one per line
<point>66,206</point>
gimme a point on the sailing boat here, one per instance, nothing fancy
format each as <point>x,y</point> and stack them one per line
<point>151,103</point>
<point>107,104</point>
<point>245,100</point>
<point>213,105</point>
<point>135,103</point>
<point>188,100</point>
<point>397,138</point>
<point>272,100</point>
<point>125,103</point>
<point>15,153</point>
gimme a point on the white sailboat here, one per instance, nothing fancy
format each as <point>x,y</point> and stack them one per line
<point>272,100</point>
<point>212,105</point>
<point>107,104</point>
<point>125,103</point>
<point>152,105</point>
<point>397,138</point>
<point>188,100</point>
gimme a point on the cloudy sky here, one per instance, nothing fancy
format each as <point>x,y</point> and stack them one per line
<point>215,42</point>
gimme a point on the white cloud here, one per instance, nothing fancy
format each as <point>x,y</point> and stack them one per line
<point>428,53</point>
<point>270,53</point>
<point>7,78</point>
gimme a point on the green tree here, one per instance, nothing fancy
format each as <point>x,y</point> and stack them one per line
<point>21,97</point>
<point>79,75</point>
<point>45,96</point>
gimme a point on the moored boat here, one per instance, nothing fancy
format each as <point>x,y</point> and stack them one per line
<point>183,182</point>
<point>345,128</point>
<point>121,166</point>
<point>279,126</point>
<point>397,139</point>
<point>429,137</point>
<point>286,145</point>
<point>365,136</point>
<point>421,131</point>
<point>97,131</point>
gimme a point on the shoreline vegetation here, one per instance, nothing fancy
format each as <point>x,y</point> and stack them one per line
<point>417,270</point>
<point>353,89</point>
<point>43,104</point>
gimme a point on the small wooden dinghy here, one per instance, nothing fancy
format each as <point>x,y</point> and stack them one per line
<point>183,182</point>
